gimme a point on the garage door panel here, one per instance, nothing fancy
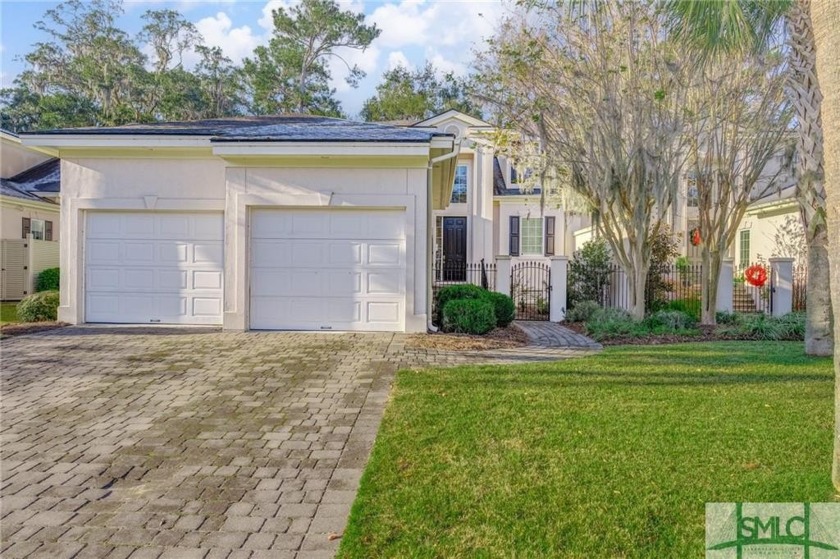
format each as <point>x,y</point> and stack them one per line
<point>137,273</point>
<point>308,254</point>
<point>385,282</point>
<point>270,253</point>
<point>343,283</point>
<point>134,252</point>
<point>383,311</point>
<point>381,254</point>
<point>206,279</point>
<point>174,226</point>
<point>345,253</point>
<point>206,306</point>
<point>139,278</point>
<point>103,252</point>
<point>328,269</point>
<point>204,253</point>
<point>208,227</point>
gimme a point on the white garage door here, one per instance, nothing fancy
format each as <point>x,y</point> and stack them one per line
<point>154,267</point>
<point>328,270</point>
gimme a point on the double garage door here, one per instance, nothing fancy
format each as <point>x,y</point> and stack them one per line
<point>310,269</point>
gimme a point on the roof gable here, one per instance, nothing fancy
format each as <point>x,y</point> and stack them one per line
<point>453,114</point>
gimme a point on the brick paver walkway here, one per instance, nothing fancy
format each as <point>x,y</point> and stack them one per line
<point>553,335</point>
<point>181,443</point>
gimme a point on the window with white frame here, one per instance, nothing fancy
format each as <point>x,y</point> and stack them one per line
<point>531,231</point>
<point>692,194</point>
<point>459,187</point>
<point>39,229</point>
<point>744,249</point>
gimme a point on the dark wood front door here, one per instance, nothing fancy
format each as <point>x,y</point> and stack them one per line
<point>454,249</point>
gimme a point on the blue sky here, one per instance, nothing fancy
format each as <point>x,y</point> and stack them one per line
<point>413,31</point>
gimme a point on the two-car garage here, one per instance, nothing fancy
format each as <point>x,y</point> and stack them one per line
<point>310,269</point>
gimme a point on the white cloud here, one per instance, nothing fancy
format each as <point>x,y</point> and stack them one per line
<point>367,61</point>
<point>398,58</point>
<point>235,42</point>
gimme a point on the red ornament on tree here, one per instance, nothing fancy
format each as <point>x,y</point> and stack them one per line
<point>694,236</point>
<point>756,275</point>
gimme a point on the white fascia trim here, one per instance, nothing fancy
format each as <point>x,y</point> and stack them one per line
<point>35,204</point>
<point>117,141</point>
<point>262,149</point>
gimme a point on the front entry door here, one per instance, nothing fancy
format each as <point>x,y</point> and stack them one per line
<point>454,249</point>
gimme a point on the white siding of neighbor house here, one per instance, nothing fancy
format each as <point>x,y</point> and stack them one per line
<point>12,214</point>
<point>763,231</point>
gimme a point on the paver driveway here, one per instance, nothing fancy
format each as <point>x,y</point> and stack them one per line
<point>187,443</point>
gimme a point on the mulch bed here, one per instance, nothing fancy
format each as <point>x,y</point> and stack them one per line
<point>19,328</point>
<point>500,338</point>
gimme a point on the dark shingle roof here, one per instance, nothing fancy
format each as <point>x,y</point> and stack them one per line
<point>44,177</point>
<point>500,187</point>
<point>282,128</point>
<point>13,190</point>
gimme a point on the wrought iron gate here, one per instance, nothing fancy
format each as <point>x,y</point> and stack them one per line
<point>530,289</point>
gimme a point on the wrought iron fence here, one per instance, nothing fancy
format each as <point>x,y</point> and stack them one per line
<point>749,298</point>
<point>530,289</point>
<point>671,282</point>
<point>800,285</point>
<point>458,273</point>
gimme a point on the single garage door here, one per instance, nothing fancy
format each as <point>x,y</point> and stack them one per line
<point>154,267</point>
<point>328,270</point>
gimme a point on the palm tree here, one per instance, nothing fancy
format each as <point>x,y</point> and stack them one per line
<point>825,15</point>
<point>727,25</point>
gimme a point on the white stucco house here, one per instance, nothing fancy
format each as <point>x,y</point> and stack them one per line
<point>281,222</point>
<point>489,215</point>
<point>29,216</point>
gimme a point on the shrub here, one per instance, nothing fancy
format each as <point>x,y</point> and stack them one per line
<point>503,307</point>
<point>613,322</point>
<point>590,270</point>
<point>690,306</point>
<point>792,325</point>
<point>469,316</point>
<point>670,321</point>
<point>583,311</point>
<point>39,307</point>
<point>47,280</point>
<point>762,327</point>
<point>724,317</point>
<point>664,249</point>
<point>453,292</point>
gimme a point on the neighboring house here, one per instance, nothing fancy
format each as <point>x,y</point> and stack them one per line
<point>770,227</point>
<point>29,216</point>
<point>488,214</point>
<point>282,222</point>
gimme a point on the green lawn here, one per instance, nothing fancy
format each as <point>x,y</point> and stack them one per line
<point>8,313</point>
<point>608,456</point>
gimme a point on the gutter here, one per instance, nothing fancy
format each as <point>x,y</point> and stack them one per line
<point>430,230</point>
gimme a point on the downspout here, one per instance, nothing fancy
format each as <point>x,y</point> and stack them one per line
<point>430,230</point>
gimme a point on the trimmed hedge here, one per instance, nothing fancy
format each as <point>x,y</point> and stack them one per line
<point>48,280</point>
<point>453,292</point>
<point>39,307</point>
<point>504,308</point>
<point>469,316</point>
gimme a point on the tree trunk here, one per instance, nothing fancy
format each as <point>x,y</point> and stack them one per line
<point>636,280</point>
<point>818,320</point>
<point>825,18</point>
<point>806,95</point>
<point>709,290</point>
